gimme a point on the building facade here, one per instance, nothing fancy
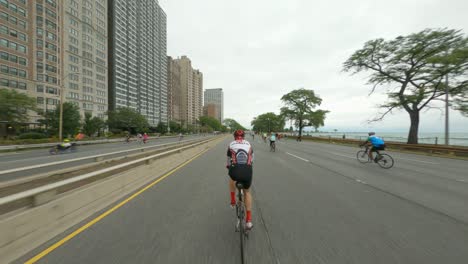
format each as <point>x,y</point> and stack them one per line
<point>174,91</point>
<point>85,55</point>
<point>215,97</point>
<point>30,44</point>
<point>191,92</point>
<point>137,58</point>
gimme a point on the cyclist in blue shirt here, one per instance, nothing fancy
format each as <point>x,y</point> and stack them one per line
<point>272,138</point>
<point>375,143</point>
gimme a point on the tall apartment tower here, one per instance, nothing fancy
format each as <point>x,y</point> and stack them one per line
<point>85,55</point>
<point>214,99</point>
<point>191,92</point>
<point>174,91</point>
<point>30,44</point>
<point>137,58</point>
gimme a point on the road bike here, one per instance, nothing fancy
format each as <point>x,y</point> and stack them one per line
<point>59,149</point>
<point>273,146</point>
<point>384,160</point>
<point>240,222</point>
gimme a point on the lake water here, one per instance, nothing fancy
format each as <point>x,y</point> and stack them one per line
<point>460,139</point>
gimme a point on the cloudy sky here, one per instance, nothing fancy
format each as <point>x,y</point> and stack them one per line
<point>258,50</point>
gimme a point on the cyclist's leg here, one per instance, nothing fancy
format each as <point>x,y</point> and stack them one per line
<point>232,191</point>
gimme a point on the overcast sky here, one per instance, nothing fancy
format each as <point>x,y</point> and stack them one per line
<point>258,50</point>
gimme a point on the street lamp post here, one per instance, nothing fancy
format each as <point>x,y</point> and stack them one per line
<point>62,89</point>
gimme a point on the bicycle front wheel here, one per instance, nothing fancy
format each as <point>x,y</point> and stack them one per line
<point>385,161</point>
<point>362,156</point>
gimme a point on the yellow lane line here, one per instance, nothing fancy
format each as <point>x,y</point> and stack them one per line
<point>100,217</point>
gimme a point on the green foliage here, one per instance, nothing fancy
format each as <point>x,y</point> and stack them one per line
<point>232,124</point>
<point>418,64</point>
<point>71,120</point>
<point>91,125</point>
<point>32,135</point>
<point>213,123</point>
<point>127,119</point>
<point>299,107</point>
<point>161,128</point>
<point>14,106</point>
<point>268,122</point>
<point>175,127</point>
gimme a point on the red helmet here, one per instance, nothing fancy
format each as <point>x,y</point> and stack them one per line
<point>239,133</point>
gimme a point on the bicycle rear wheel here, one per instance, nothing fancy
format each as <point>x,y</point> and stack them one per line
<point>362,156</point>
<point>385,161</point>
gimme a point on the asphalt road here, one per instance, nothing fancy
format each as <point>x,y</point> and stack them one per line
<point>13,160</point>
<point>314,203</point>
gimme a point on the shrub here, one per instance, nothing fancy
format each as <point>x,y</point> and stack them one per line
<point>32,135</point>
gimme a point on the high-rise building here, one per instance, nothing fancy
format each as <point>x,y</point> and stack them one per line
<point>174,91</point>
<point>137,58</point>
<point>49,45</point>
<point>30,44</point>
<point>215,97</point>
<point>85,55</point>
<point>191,92</point>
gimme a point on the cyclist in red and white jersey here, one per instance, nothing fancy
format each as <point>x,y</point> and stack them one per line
<point>239,162</point>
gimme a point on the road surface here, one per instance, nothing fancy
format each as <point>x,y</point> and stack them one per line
<point>313,203</point>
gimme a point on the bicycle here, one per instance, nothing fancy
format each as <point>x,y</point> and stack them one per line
<point>384,160</point>
<point>240,223</point>
<point>273,146</point>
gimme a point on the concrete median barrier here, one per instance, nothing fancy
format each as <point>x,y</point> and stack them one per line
<point>26,229</point>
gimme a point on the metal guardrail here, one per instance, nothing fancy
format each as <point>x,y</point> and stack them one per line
<point>96,157</point>
<point>428,148</point>
<point>54,186</point>
<point>84,142</point>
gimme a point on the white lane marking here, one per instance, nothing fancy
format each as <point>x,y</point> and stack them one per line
<point>461,180</point>
<point>297,157</point>
<point>341,155</point>
<point>428,162</point>
<point>358,180</point>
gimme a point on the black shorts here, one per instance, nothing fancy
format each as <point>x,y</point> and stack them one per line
<point>374,148</point>
<point>241,174</point>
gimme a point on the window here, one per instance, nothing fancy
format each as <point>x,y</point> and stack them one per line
<point>22,24</point>
<point>40,88</point>
<point>51,57</point>
<point>4,69</point>
<point>51,68</point>
<point>73,86</point>
<point>4,42</point>
<point>73,59</point>
<point>51,24</point>
<point>4,82</point>
<point>39,8</point>
<point>3,29</point>
<point>22,61</point>
<point>51,13</point>
<point>22,86</point>
<point>40,54</point>
<point>39,66</point>
<point>51,90</point>
<point>39,32</point>
<point>40,100</point>
<point>4,55</point>
<point>51,46</point>
<point>51,35</point>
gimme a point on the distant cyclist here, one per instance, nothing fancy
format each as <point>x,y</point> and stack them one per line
<point>239,163</point>
<point>272,139</point>
<point>375,143</point>
<point>66,144</point>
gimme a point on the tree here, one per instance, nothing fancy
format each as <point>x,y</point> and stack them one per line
<point>71,119</point>
<point>299,105</point>
<point>14,106</point>
<point>174,127</point>
<point>213,123</point>
<point>127,119</point>
<point>232,124</point>
<point>417,64</point>
<point>268,122</point>
<point>91,125</point>
<point>161,128</point>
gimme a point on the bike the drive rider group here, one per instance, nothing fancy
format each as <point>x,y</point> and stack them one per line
<point>375,143</point>
<point>240,157</point>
